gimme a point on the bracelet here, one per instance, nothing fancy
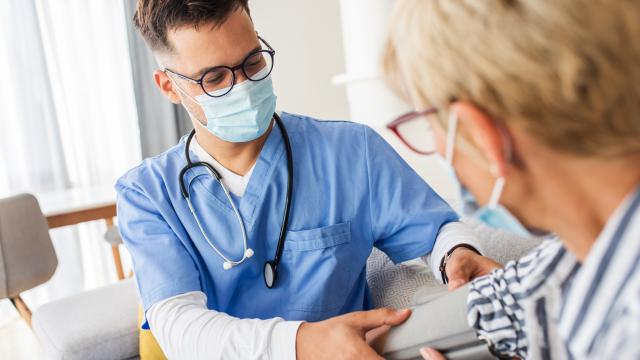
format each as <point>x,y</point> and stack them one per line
<point>445,259</point>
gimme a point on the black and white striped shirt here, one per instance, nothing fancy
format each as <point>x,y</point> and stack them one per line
<point>549,306</point>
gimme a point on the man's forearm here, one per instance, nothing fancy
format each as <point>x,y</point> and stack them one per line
<point>186,329</point>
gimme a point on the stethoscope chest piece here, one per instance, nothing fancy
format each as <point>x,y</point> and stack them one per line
<point>270,274</point>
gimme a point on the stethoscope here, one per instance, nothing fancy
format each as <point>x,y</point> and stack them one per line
<point>271,266</point>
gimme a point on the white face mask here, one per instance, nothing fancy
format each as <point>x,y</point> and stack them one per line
<point>493,214</point>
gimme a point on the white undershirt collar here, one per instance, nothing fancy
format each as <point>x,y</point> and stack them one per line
<point>236,184</point>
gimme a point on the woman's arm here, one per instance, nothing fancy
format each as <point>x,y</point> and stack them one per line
<point>495,302</point>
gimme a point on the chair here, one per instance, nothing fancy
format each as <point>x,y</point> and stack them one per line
<point>102,323</point>
<point>96,324</point>
<point>27,258</point>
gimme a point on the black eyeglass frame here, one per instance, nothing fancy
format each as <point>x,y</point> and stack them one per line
<point>233,69</point>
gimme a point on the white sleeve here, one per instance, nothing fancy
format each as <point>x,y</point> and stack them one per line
<point>186,329</point>
<point>450,235</point>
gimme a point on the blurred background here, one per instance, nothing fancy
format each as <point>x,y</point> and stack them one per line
<point>78,107</point>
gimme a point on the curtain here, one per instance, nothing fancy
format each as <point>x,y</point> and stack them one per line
<point>161,122</point>
<point>68,119</point>
<point>31,153</point>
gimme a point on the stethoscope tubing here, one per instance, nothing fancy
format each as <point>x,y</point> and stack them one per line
<point>247,252</point>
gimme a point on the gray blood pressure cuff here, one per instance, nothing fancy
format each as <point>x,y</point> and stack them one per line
<point>439,322</point>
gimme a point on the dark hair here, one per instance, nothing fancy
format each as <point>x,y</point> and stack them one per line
<point>154,18</point>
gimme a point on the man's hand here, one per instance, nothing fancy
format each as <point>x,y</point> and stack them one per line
<point>465,265</point>
<point>343,337</point>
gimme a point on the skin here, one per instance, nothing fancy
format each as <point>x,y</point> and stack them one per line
<point>568,195</point>
<point>342,337</point>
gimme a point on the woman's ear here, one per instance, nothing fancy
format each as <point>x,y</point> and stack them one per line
<point>484,134</point>
<point>166,86</point>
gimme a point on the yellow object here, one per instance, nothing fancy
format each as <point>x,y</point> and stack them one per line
<point>149,348</point>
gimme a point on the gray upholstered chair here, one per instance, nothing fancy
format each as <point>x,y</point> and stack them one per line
<point>400,285</point>
<point>102,324</point>
<point>27,258</point>
<point>97,324</point>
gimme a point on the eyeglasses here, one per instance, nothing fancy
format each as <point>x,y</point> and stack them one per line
<point>220,80</point>
<point>415,131</point>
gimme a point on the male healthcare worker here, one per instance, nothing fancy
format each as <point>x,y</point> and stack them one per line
<point>203,220</point>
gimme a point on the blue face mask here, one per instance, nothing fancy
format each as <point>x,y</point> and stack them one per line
<point>497,216</point>
<point>242,115</point>
<point>493,214</point>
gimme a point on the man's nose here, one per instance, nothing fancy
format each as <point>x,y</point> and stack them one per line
<point>240,76</point>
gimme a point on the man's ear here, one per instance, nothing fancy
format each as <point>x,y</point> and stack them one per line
<point>485,135</point>
<point>165,85</point>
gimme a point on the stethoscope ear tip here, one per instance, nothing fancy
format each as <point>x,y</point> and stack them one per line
<point>228,264</point>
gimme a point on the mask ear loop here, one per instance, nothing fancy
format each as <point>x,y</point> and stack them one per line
<point>182,90</point>
<point>496,193</point>
<point>498,187</point>
<point>188,97</point>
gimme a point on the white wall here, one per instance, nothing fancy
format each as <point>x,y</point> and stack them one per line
<point>327,66</point>
<point>307,37</point>
<point>364,24</point>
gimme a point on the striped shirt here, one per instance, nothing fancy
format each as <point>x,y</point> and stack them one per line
<point>547,305</point>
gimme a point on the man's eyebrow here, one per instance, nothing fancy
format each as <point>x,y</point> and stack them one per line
<point>202,71</point>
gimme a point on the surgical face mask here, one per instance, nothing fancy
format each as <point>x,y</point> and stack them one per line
<point>242,115</point>
<point>493,214</point>
<point>497,216</point>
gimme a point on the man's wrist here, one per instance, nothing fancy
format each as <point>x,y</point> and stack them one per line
<point>300,338</point>
<point>445,259</point>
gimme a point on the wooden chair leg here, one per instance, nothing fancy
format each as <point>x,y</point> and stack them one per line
<point>22,308</point>
<point>115,250</point>
<point>118,261</point>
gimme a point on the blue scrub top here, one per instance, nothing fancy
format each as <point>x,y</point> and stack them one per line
<point>351,191</point>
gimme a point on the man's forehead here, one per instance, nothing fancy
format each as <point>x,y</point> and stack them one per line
<point>209,44</point>
<point>206,45</point>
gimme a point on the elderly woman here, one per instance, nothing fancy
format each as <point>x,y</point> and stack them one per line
<point>536,104</point>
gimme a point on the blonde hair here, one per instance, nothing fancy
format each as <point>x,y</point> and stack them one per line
<point>566,71</point>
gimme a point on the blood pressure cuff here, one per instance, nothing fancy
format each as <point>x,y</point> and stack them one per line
<point>439,322</point>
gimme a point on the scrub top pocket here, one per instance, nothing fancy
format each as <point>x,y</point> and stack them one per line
<point>320,272</point>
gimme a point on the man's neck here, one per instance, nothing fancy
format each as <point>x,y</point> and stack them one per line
<point>580,196</point>
<point>235,157</point>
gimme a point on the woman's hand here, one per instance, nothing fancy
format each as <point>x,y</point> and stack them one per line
<point>431,354</point>
<point>465,265</point>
